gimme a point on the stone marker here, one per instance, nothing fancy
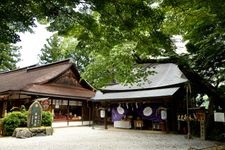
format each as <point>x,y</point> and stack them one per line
<point>34,115</point>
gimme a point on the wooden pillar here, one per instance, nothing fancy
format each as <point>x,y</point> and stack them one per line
<point>82,113</point>
<point>93,115</point>
<point>51,104</point>
<point>52,109</point>
<point>89,114</point>
<point>187,103</point>
<point>106,117</point>
<point>68,112</point>
<point>4,109</point>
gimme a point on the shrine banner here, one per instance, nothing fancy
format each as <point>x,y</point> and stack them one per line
<point>149,112</point>
<point>118,113</point>
<point>145,111</point>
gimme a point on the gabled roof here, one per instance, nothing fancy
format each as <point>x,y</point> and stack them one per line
<point>29,78</point>
<point>165,75</point>
<point>164,82</point>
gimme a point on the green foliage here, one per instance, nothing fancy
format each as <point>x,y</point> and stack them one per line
<point>15,17</point>
<point>103,31</point>
<point>113,35</point>
<point>58,48</point>
<point>201,23</point>
<point>19,16</point>
<point>9,56</point>
<point>100,28</point>
<point>13,120</point>
<point>19,119</point>
<point>47,118</point>
<point>52,50</point>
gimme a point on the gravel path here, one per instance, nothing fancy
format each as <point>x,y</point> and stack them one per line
<point>86,138</point>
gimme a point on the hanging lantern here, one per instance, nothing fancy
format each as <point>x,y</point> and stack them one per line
<point>102,113</point>
<point>57,104</point>
<point>163,114</point>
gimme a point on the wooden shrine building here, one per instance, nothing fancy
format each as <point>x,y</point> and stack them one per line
<point>151,104</point>
<point>58,86</point>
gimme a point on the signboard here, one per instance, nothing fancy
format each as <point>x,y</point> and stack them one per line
<point>219,117</point>
<point>34,115</point>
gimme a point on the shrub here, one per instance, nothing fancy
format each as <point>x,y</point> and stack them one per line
<point>19,119</point>
<point>13,120</point>
<point>47,118</point>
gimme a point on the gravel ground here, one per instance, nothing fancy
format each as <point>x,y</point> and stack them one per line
<point>86,138</point>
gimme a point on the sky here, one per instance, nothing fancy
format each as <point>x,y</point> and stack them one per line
<point>31,44</point>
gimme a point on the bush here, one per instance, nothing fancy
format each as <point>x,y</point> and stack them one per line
<point>13,120</point>
<point>19,119</point>
<point>47,118</point>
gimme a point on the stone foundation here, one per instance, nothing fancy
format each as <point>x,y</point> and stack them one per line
<point>29,132</point>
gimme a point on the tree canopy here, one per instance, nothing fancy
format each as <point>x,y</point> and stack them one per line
<point>115,34</point>
<point>118,34</point>
<point>202,24</point>
<point>59,48</point>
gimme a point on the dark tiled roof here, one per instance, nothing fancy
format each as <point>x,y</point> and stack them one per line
<point>29,78</point>
<point>59,91</point>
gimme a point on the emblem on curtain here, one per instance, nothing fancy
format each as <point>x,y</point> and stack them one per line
<point>147,111</point>
<point>120,110</point>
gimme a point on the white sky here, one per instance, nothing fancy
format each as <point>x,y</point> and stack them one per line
<point>31,44</point>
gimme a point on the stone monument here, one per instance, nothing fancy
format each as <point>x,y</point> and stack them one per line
<point>33,123</point>
<point>34,115</point>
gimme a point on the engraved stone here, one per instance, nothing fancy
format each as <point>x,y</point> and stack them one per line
<point>34,115</point>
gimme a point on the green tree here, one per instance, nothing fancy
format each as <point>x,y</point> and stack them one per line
<point>58,48</point>
<point>20,15</point>
<point>118,34</point>
<point>114,34</point>
<point>79,56</point>
<point>9,56</point>
<point>202,24</point>
<point>52,51</point>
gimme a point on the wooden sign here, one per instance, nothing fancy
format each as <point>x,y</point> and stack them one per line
<point>34,115</point>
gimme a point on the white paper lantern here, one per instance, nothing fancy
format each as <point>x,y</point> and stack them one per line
<point>102,113</point>
<point>163,114</point>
